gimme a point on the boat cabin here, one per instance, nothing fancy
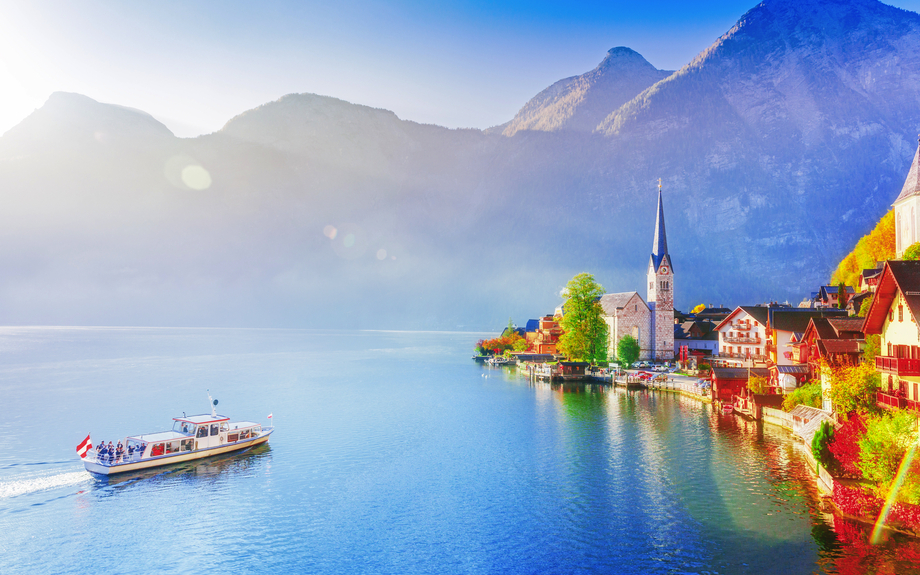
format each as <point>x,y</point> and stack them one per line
<point>193,433</point>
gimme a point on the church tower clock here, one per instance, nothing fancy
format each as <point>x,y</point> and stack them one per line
<point>661,291</point>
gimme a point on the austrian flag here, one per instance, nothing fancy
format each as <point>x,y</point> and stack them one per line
<point>84,446</point>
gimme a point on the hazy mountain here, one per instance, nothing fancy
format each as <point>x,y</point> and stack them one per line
<point>778,147</point>
<point>580,103</point>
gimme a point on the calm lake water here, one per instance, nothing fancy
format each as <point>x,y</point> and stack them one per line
<point>394,453</point>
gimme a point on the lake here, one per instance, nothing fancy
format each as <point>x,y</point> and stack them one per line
<point>393,453</point>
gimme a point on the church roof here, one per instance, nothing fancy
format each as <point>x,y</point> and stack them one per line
<point>612,301</point>
<point>660,243</point>
<point>912,184</point>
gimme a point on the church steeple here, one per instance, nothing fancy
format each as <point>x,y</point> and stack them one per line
<point>660,244</point>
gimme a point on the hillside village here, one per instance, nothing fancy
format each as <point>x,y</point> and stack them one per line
<point>844,361</point>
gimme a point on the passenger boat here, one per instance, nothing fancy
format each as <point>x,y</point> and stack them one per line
<point>191,437</point>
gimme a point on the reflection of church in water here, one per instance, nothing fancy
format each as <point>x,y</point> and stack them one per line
<point>652,323</point>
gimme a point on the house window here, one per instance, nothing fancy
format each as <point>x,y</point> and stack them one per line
<point>651,285</point>
<point>891,314</point>
<point>758,351</point>
<point>900,313</point>
<point>889,349</point>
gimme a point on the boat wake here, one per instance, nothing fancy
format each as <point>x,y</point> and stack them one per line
<point>28,485</point>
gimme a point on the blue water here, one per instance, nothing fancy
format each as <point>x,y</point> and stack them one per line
<point>394,453</point>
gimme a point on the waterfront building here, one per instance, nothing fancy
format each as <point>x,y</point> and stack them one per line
<point>907,209</point>
<point>832,341</point>
<point>742,337</point>
<point>893,315</point>
<point>784,324</point>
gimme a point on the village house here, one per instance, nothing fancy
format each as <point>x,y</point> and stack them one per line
<point>543,334</point>
<point>742,337</point>
<point>828,296</point>
<point>784,324</point>
<point>893,315</point>
<point>831,341</point>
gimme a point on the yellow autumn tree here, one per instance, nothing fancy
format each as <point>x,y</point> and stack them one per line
<point>876,246</point>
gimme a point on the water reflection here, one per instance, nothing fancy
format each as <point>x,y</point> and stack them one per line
<point>211,469</point>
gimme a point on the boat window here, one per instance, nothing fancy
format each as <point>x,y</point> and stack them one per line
<point>187,444</point>
<point>233,437</point>
<point>224,426</point>
<point>244,434</point>
<point>203,431</point>
<point>214,429</point>
<point>156,450</point>
<point>184,427</point>
<point>172,447</point>
<point>257,430</point>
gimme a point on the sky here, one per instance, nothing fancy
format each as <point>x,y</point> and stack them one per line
<point>194,65</point>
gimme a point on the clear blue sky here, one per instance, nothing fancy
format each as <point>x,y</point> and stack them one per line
<point>194,65</point>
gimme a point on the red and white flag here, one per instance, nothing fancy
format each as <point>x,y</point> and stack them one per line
<point>270,415</point>
<point>84,446</point>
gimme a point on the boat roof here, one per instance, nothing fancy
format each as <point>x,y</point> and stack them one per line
<point>203,418</point>
<point>159,436</point>
<point>242,424</point>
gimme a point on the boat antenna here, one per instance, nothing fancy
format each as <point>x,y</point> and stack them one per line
<point>213,403</point>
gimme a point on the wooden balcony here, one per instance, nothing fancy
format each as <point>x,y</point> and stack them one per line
<point>889,401</point>
<point>897,365</point>
<point>750,340</point>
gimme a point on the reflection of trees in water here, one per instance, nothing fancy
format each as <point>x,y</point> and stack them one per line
<point>212,468</point>
<point>854,555</point>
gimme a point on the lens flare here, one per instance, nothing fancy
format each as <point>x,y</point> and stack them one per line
<point>381,254</point>
<point>196,177</point>
<point>879,526</point>
<point>330,232</point>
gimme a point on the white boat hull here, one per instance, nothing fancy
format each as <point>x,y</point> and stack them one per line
<point>94,466</point>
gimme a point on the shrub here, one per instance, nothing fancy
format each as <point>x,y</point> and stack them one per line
<point>758,384</point>
<point>845,446</point>
<point>823,435</point>
<point>808,394</point>
<point>881,450</point>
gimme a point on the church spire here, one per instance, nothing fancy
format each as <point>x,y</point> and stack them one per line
<point>660,245</point>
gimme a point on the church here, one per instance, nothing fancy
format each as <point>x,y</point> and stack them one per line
<point>651,322</point>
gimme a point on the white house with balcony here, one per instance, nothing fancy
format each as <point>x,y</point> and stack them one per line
<point>742,337</point>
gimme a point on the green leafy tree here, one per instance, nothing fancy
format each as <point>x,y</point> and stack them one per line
<point>808,394</point>
<point>585,336</point>
<point>873,347</point>
<point>864,307</point>
<point>842,296</point>
<point>883,447</point>
<point>912,253</point>
<point>627,350</point>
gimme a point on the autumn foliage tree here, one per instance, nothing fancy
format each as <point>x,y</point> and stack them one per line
<point>853,387</point>
<point>878,245</point>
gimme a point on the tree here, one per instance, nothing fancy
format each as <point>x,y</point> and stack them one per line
<point>699,308</point>
<point>627,350</point>
<point>585,336</point>
<point>758,385</point>
<point>866,304</point>
<point>878,245</point>
<point>808,394</point>
<point>853,387</point>
<point>842,296</point>
<point>882,449</point>
<point>912,253</point>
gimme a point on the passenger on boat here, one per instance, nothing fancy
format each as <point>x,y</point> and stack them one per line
<point>130,451</point>
<point>140,450</point>
<point>120,451</point>
<point>101,452</point>
<point>111,451</point>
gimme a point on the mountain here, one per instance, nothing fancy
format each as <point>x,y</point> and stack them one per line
<point>778,147</point>
<point>580,103</point>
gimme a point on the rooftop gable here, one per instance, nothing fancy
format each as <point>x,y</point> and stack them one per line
<point>612,302</point>
<point>897,276</point>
